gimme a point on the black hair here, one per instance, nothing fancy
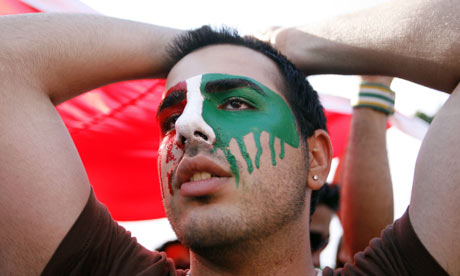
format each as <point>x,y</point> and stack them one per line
<point>328,195</point>
<point>167,244</point>
<point>299,94</point>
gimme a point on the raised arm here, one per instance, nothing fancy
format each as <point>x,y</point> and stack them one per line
<point>414,39</point>
<point>44,60</point>
<point>417,40</point>
<point>366,202</point>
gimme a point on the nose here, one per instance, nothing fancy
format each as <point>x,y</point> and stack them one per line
<point>190,126</point>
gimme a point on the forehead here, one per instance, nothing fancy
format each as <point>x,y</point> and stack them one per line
<point>226,59</point>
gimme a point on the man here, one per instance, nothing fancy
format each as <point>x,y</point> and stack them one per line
<point>365,173</point>
<point>229,192</point>
<point>327,206</point>
<point>47,198</point>
<point>235,140</point>
<point>366,202</point>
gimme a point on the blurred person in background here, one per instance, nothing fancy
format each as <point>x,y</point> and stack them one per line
<point>366,192</point>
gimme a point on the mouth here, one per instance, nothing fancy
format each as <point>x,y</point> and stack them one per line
<point>200,176</point>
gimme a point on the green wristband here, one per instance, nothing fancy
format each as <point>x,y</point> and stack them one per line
<point>376,96</point>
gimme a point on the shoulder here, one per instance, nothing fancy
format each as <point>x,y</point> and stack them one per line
<point>97,245</point>
<point>397,252</point>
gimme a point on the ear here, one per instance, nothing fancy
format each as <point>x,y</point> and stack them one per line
<point>320,158</point>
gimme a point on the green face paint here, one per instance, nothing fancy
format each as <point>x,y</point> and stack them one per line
<point>267,112</point>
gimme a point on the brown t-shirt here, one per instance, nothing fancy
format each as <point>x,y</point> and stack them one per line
<point>97,245</point>
<point>397,252</point>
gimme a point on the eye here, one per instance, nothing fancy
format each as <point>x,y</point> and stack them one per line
<point>236,104</point>
<point>170,123</point>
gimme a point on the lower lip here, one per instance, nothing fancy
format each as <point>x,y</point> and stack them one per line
<point>203,187</point>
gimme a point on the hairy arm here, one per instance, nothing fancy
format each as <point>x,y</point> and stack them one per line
<point>366,202</point>
<point>46,59</point>
<point>417,40</point>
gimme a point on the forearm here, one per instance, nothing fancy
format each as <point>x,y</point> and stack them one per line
<point>46,57</point>
<point>66,54</point>
<point>366,204</point>
<point>416,40</point>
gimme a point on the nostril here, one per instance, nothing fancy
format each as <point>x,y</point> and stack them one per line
<point>199,134</point>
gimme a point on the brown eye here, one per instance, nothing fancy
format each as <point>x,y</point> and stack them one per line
<point>236,104</point>
<point>170,124</point>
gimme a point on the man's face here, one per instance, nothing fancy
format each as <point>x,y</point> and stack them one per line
<point>232,164</point>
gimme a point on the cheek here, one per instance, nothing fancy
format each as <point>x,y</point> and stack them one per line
<point>169,155</point>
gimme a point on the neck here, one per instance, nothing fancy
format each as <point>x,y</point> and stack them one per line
<point>285,252</point>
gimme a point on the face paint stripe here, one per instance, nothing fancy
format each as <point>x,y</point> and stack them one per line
<point>245,155</point>
<point>272,149</point>
<point>191,119</point>
<point>259,148</point>
<point>282,149</point>
<point>233,165</point>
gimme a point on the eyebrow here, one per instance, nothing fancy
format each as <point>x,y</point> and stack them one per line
<point>230,84</point>
<point>172,99</point>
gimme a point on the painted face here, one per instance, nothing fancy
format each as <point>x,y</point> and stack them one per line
<point>221,108</point>
<point>231,162</point>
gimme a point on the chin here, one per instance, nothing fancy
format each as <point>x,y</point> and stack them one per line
<point>256,211</point>
<point>215,227</point>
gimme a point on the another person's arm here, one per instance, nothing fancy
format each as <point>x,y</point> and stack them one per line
<point>366,201</point>
<point>46,59</point>
<point>416,40</point>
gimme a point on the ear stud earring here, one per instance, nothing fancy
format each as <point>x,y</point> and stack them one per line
<point>315,177</point>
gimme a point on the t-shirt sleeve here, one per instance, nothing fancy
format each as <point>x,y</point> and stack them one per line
<point>397,252</point>
<point>97,245</point>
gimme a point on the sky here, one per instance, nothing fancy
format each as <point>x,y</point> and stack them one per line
<point>251,16</point>
<point>244,15</point>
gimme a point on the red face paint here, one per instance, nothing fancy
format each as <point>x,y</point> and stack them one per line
<point>174,101</point>
<point>169,176</point>
<point>161,176</point>
<point>171,145</point>
<point>174,107</point>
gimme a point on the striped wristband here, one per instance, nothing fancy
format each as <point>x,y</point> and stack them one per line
<point>376,96</point>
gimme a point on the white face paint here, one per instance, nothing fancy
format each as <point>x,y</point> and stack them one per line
<point>191,119</point>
